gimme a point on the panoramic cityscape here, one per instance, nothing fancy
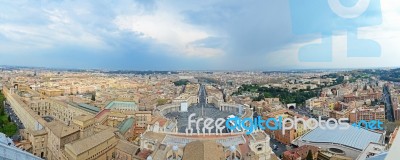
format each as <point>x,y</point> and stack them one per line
<point>94,114</point>
<point>199,80</point>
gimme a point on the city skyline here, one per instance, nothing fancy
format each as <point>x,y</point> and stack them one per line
<point>199,80</point>
<point>311,70</point>
<point>94,114</point>
<point>156,35</point>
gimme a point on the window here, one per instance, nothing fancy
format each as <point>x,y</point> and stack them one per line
<point>259,147</point>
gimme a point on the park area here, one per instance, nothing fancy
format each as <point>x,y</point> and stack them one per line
<point>6,126</point>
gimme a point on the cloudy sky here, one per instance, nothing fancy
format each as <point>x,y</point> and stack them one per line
<point>199,35</point>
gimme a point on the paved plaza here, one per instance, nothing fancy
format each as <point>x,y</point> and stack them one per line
<point>209,112</point>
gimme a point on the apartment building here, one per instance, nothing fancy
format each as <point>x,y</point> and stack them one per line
<point>289,135</point>
<point>367,114</point>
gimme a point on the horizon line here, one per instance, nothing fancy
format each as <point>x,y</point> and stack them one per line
<point>195,70</point>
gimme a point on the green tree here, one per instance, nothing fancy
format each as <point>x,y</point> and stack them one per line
<point>2,113</point>
<point>2,99</point>
<point>181,82</point>
<point>309,155</point>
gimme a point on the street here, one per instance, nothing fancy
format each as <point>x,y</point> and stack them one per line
<point>388,104</point>
<point>202,95</point>
<point>303,111</point>
<point>14,118</point>
<point>281,147</point>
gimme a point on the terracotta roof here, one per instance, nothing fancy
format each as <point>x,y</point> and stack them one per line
<point>144,153</point>
<point>100,114</point>
<point>161,121</point>
<point>300,152</point>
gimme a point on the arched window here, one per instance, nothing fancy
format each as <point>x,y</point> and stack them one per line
<point>259,147</point>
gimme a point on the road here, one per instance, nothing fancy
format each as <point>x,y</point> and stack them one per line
<point>14,118</point>
<point>388,104</point>
<point>303,111</point>
<point>202,95</point>
<point>281,147</point>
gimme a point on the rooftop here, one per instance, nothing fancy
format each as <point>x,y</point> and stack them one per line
<point>354,137</point>
<point>39,132</point>
<point>117,104</point>
<point>125,125</point>
<point>155,136</point>
<point>103,112</point>
<point>82,145</point>
<point>199,150</point>
<point>259,136</point>
<point>83,118</point>
<point>127,147</point>
<point>300,152</point>
<point>60,129</point>
<point>85,107</point>
<point>89,107</point>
